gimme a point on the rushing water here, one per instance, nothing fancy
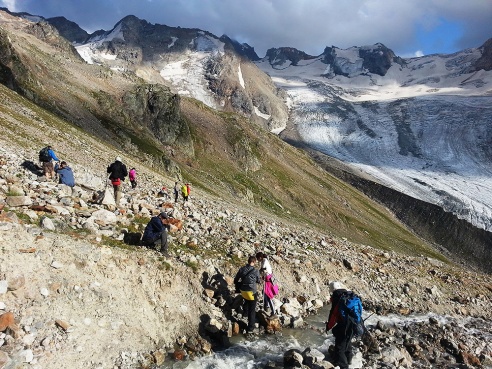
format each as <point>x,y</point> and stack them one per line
<point>245,354</point>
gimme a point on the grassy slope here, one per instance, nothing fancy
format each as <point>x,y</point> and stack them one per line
<point>288,184</point>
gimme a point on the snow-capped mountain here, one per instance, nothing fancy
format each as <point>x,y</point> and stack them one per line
<point>216,71</point>
<point>422,126</point>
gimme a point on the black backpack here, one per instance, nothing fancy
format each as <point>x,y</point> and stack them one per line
<point>44,155</point>
<point>350,308</point>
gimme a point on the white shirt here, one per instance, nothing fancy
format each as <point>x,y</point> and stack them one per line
<point>266,265</point>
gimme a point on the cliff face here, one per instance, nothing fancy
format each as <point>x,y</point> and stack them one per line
<point>465,243</point>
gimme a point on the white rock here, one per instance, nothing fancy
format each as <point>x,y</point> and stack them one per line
<point>44,291</point>
<point>104,216</point>
<point>28,339</point>
<point>56,264</point>
<point>2,305</point>
<point>26,356</point>
<point>3,286</point>
<point>48,224</point>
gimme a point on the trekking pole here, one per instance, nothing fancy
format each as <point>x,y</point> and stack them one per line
<point>368,317</point>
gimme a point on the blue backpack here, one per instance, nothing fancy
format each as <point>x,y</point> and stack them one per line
<point>350,308</point>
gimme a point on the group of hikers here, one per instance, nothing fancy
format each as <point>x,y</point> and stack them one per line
<point>345,317</point>
<point>344,320</point>
<point>117,174</point>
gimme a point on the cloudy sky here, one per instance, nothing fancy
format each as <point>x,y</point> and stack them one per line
<point>409,27</point>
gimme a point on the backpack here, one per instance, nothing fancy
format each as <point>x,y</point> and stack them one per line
<point>350,308</point>
<point>44,155</point>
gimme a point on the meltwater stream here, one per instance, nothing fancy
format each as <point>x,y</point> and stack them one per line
<point>245,354</point>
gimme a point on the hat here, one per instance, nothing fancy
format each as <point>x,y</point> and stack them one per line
<point>117,158</point>
<point>335,285</point>
<point>163,214</point>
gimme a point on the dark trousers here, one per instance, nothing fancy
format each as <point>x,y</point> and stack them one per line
<point>249,308</point>
<point>268,303</point>
<point>343,350</point>
<point>159,241</point>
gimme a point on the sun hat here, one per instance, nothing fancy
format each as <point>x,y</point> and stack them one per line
<point>335,285</point>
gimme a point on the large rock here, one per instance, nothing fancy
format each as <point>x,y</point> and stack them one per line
<point>103,216</point>
<point>16,201</point>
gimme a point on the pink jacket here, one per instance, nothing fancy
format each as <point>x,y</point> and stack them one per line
<point>271,289</point>
<point>132,175</point>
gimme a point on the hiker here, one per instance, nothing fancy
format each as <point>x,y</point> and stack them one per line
<point>65,174</point>
<point>184,192</point>
<point>269,288</point>
<point>341,327</point>
<point>246,279</point>
<point>162,192</point>
<point>46,157</point>
<point>155,233</point>
<point>188,190</point>
<point>176,191</point>
<point>132,176</point>
<point>118,172</point>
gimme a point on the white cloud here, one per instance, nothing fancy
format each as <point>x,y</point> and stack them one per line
<point>10,5</point>
<point>419,53</point>
<point>308,25</point>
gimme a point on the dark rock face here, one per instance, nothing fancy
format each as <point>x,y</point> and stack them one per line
<point>278,56</point>
<point>244,49</point>
<point>465,242</point>
<point>155,107</point>
<point>378,59</point>
<point>329,57</point>
<point>485,61</point>
<point>68,29</point>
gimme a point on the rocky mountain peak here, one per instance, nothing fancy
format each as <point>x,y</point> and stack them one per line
<point>280,56</point>
<point>485,61</point>
<point>68,29</point>
<point>376,59</point>
<point>242,49</point>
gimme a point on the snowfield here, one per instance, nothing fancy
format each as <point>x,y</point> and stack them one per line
<point>424,129</point>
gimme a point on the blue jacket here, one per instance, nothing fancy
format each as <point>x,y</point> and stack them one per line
<point>154,229</point>
<point>66,175</point>
<point>52,154</point>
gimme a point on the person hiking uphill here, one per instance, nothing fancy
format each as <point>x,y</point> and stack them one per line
<point>269,288</point>
<point>184,192</point>
<point>246,281</point>
<point>46,157</point>
<point>342,326</point>
<point>132,176</point>
<point>117,173</point>
<point>176,191</point>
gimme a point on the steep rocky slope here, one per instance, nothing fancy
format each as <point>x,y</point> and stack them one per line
<point>75,292</point>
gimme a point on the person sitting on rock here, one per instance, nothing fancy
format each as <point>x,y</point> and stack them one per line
<point>65,173</point>
<point>155,233</point>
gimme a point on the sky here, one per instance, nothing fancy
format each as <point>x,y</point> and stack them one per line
<point>408,27</point>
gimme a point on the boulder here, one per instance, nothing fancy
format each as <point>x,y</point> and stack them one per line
<point>16,201</point>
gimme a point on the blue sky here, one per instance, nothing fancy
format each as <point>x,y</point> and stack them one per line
<point>409,27</point>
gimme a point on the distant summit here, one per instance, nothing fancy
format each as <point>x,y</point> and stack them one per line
<point>68,29</point>
<point>285,56</point>
<point>242,49</point>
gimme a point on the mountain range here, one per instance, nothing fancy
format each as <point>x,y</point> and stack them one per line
<point>418,126</point>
